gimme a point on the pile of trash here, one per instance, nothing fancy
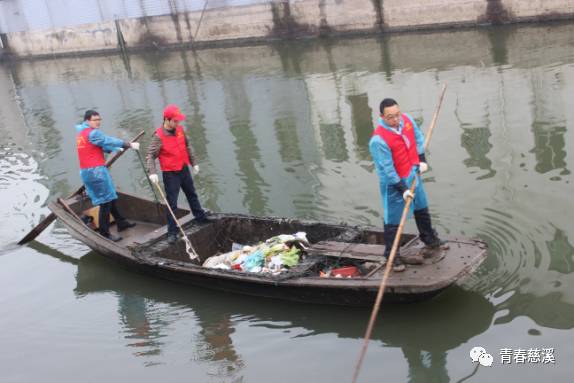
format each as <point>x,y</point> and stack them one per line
<point>274,256</point>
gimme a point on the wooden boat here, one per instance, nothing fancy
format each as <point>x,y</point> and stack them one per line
<point>144,248</point>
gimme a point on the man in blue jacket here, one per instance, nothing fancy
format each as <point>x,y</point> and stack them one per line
<point>397,148</point>
<point>91,144</point>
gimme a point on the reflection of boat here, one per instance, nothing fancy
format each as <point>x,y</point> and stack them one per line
<point>448,320</point>
<point>144,248</point>
<point>425,332</point>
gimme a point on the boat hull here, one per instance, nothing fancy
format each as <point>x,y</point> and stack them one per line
<point>145,250</point>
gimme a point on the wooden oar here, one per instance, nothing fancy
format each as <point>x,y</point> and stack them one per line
<point>51,217</point>
<point>391,258</point>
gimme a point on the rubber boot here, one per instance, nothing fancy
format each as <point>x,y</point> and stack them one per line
<point>426,231</point>
<point>424,225</point>
<point>121,223</point>
<point>124,225</point>
<point>104,220</point>
<point>389,236</point>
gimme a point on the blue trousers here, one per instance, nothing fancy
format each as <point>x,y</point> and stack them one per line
<point>393,202</point>
<point>173,181</point>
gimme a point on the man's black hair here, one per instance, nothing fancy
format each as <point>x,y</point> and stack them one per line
<point>89,114</point>
<point>387,102</point>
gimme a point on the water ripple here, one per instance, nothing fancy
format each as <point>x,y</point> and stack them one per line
<point>528,263</point>
<point>22,195</point>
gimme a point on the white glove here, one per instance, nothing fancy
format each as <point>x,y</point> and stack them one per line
<point>408,194</point>
<point>154,178</point>
<point>195,169</point>
<point>423,167</point>
<point>135,145</point>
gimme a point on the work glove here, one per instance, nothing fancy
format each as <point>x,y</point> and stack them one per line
<point>154,178</point>
<point>423,167</point>
<point>135,145</point>
<point>195,169</point>
<point>408,194</point>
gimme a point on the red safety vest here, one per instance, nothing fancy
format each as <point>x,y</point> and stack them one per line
<point>403,158</point>
<point>90,155</point>
<point>173,154</point>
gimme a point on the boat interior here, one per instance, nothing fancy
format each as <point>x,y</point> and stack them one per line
<point>221,232</point>
<point>331,245</point>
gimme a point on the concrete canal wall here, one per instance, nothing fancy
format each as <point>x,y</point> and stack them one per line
<point>237,21</point>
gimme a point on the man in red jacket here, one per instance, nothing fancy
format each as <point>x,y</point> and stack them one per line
<point>175,154</point>
<point>397,148</point>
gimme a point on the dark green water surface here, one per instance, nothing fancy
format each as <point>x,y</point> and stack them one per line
<point>283,130</point>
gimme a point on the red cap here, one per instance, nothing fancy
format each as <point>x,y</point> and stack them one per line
<point>172,112</point>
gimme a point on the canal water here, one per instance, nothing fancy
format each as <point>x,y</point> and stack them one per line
<point>283,130</point>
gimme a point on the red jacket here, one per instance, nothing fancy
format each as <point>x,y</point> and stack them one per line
<point>90,155</point>
<point>403,158</point>
<point>173,155</point>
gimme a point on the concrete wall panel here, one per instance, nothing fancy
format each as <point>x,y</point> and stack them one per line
<point>405,14</point>
<point>90,37</point>
<point>539,9</point>
<point>257,20</point>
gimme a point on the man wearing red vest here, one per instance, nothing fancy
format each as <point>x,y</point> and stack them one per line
<point>171,146</point>
<point>397,148</point>
<point>91,144</point>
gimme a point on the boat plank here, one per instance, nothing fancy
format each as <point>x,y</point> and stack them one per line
<point>359,251</point>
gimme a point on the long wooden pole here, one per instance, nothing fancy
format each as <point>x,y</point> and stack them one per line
<point>188,247</point>
<point>51,217</point>
<point>391,258</point>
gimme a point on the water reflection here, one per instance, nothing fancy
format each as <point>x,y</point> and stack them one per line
<point>290,58</point>
<point>151,309</point>
<point>217,346</point>
<point>549,148</point>
<point>286,134</point>
<point>499,37</point>
<point>333,139</point>
<point>21,193</point>
<point>549,124</point>
<point>425,344</point>
<point>561,253</point>
<point>142,335</point>
<point>247,153</point>
<point>321,109</point>
<point>531,279</point>
<point>361,114</point>
<point>476,142</point>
